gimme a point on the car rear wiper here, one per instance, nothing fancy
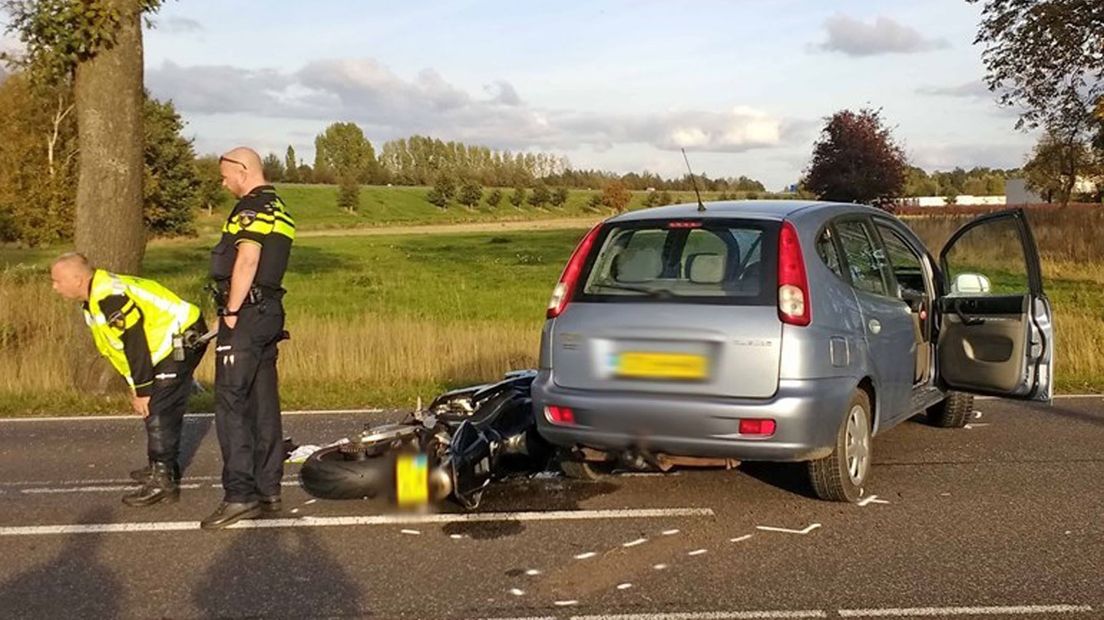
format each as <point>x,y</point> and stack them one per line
<point>651,292</point>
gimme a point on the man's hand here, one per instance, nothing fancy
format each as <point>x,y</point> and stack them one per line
<point>141,405</point>
<point>231,321</point>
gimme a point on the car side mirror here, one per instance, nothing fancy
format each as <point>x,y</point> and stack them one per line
<point>971,284</point>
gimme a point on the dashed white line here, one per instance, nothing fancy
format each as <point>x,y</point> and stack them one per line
<point>1019,610</point>
<point>670,532</point>
<point>585,556</point>
<point>517,592</point>
<point>532,572</point>
<point>566,603</point>
<point>624,586</point>
<point>633,543</point>
<point>698,552</point>
<point>767,528</point>
<point>740,538</point>
<point>660,567</point>
<point>411,532</point>
<point>171,526</point>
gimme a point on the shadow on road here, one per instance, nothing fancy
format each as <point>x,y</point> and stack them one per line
<point>191,437</point>
<point>276,574</point>
<point>75,584</point>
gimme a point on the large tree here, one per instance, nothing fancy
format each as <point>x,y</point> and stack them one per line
<point>342,152</point>
<point>97,45</point>
<point>856,160</point>
<point>1045,57</point>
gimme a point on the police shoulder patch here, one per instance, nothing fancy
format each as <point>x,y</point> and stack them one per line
<point>245,218</point>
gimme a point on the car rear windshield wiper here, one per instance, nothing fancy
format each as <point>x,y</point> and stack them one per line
<point>651,292</point>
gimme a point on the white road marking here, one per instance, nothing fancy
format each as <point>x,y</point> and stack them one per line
<point>179,526</point>
<point>456,536</point>
<point>714,615</point>
<point>566,603</point>
<point>660,567</point>
<point>783,530</point>
<point>965,611</point>
<point>872,499</point>
<point>532,572</point>
<point>698,552</point>
<point>309,502</point>
<point>633,543</point>
<point>741,538</point>
<point>670,532</point>
<point>976,425</point>
<point>624,586</point>
<point>96,489</point>
<point>585,556</point>
<point>517,592</point>
<point>411,532</point>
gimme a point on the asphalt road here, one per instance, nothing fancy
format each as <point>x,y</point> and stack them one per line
<point>1003,519</point>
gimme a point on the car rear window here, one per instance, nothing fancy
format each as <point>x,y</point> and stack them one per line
<point>690,261</point>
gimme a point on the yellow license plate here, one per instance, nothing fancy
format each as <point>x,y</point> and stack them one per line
<point>662,366</point>
<point>412,479</point>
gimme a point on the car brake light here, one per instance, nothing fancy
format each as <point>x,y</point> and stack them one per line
<point>764,428</point>
<point>793,285</point>
<point>559,415</point>
<point>681,224</point>
<point>561,295</point>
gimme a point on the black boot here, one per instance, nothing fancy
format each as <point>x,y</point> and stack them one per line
<point>228,513</point>
<point>160,486</point>
<point>142,474</point>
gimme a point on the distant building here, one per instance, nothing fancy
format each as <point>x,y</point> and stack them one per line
<point>1016,193</point>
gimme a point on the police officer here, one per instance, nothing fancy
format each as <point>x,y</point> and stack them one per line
<point>141,327</point>
<point>248,267</point>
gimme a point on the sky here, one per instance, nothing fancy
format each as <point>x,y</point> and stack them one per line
<point>620,85</point>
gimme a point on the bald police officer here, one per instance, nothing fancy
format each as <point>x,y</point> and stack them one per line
<point>141,328</point>
<point>248,267</point>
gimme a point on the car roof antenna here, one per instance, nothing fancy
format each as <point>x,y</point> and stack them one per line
<point>701,205</point>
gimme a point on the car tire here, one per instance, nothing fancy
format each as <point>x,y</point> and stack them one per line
<point>578,470</point>
<point>840,476</point>
<point>955,411</point>
<point>327,474</point>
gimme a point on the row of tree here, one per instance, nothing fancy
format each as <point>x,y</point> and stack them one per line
<point>343,154</point>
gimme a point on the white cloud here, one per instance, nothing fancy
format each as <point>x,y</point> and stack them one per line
<point>178,25</point>
<point>388,105</point>
<point>975,89</point>
<point>853,37</point>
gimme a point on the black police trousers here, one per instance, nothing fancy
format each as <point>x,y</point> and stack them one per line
<point>247,403</point>
<point>172,383</point>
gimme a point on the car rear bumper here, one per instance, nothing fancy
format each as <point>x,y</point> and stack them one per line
<point>807,413</point>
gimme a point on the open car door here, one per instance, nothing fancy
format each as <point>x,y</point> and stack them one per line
<point>996,331</point>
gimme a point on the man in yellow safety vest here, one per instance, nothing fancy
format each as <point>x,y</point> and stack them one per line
<point>153,338</point>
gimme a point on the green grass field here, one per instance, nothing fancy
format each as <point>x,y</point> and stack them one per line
<point>382,320</point>
<point>315,208</point>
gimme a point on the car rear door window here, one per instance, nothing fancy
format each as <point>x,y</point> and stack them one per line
<point>865,260</point>
<point>903,260</point>
<point>826,250</point>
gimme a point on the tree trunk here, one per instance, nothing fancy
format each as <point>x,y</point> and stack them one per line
<point>109,228</point>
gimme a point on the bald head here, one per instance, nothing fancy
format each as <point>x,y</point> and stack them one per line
<point>241,170</point>
<point>71,275</point>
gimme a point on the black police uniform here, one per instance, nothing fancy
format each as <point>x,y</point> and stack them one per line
<point>247,406</point>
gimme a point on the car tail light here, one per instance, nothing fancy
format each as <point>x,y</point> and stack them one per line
<point>559,415</point>
<point>794,305</point>
<point>757,426</point>
<point>561,295</point>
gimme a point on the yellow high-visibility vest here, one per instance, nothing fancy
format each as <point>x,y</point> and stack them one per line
<point>164,316</point>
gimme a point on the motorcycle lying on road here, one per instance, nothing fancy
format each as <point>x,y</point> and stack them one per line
<point>450,450</point>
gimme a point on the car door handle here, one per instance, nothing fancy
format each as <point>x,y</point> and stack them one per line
<point>875,326</point>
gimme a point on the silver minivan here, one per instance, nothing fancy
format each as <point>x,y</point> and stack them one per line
<point>785,331</point>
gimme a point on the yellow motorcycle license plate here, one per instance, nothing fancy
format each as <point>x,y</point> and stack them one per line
<point>412,480</point>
